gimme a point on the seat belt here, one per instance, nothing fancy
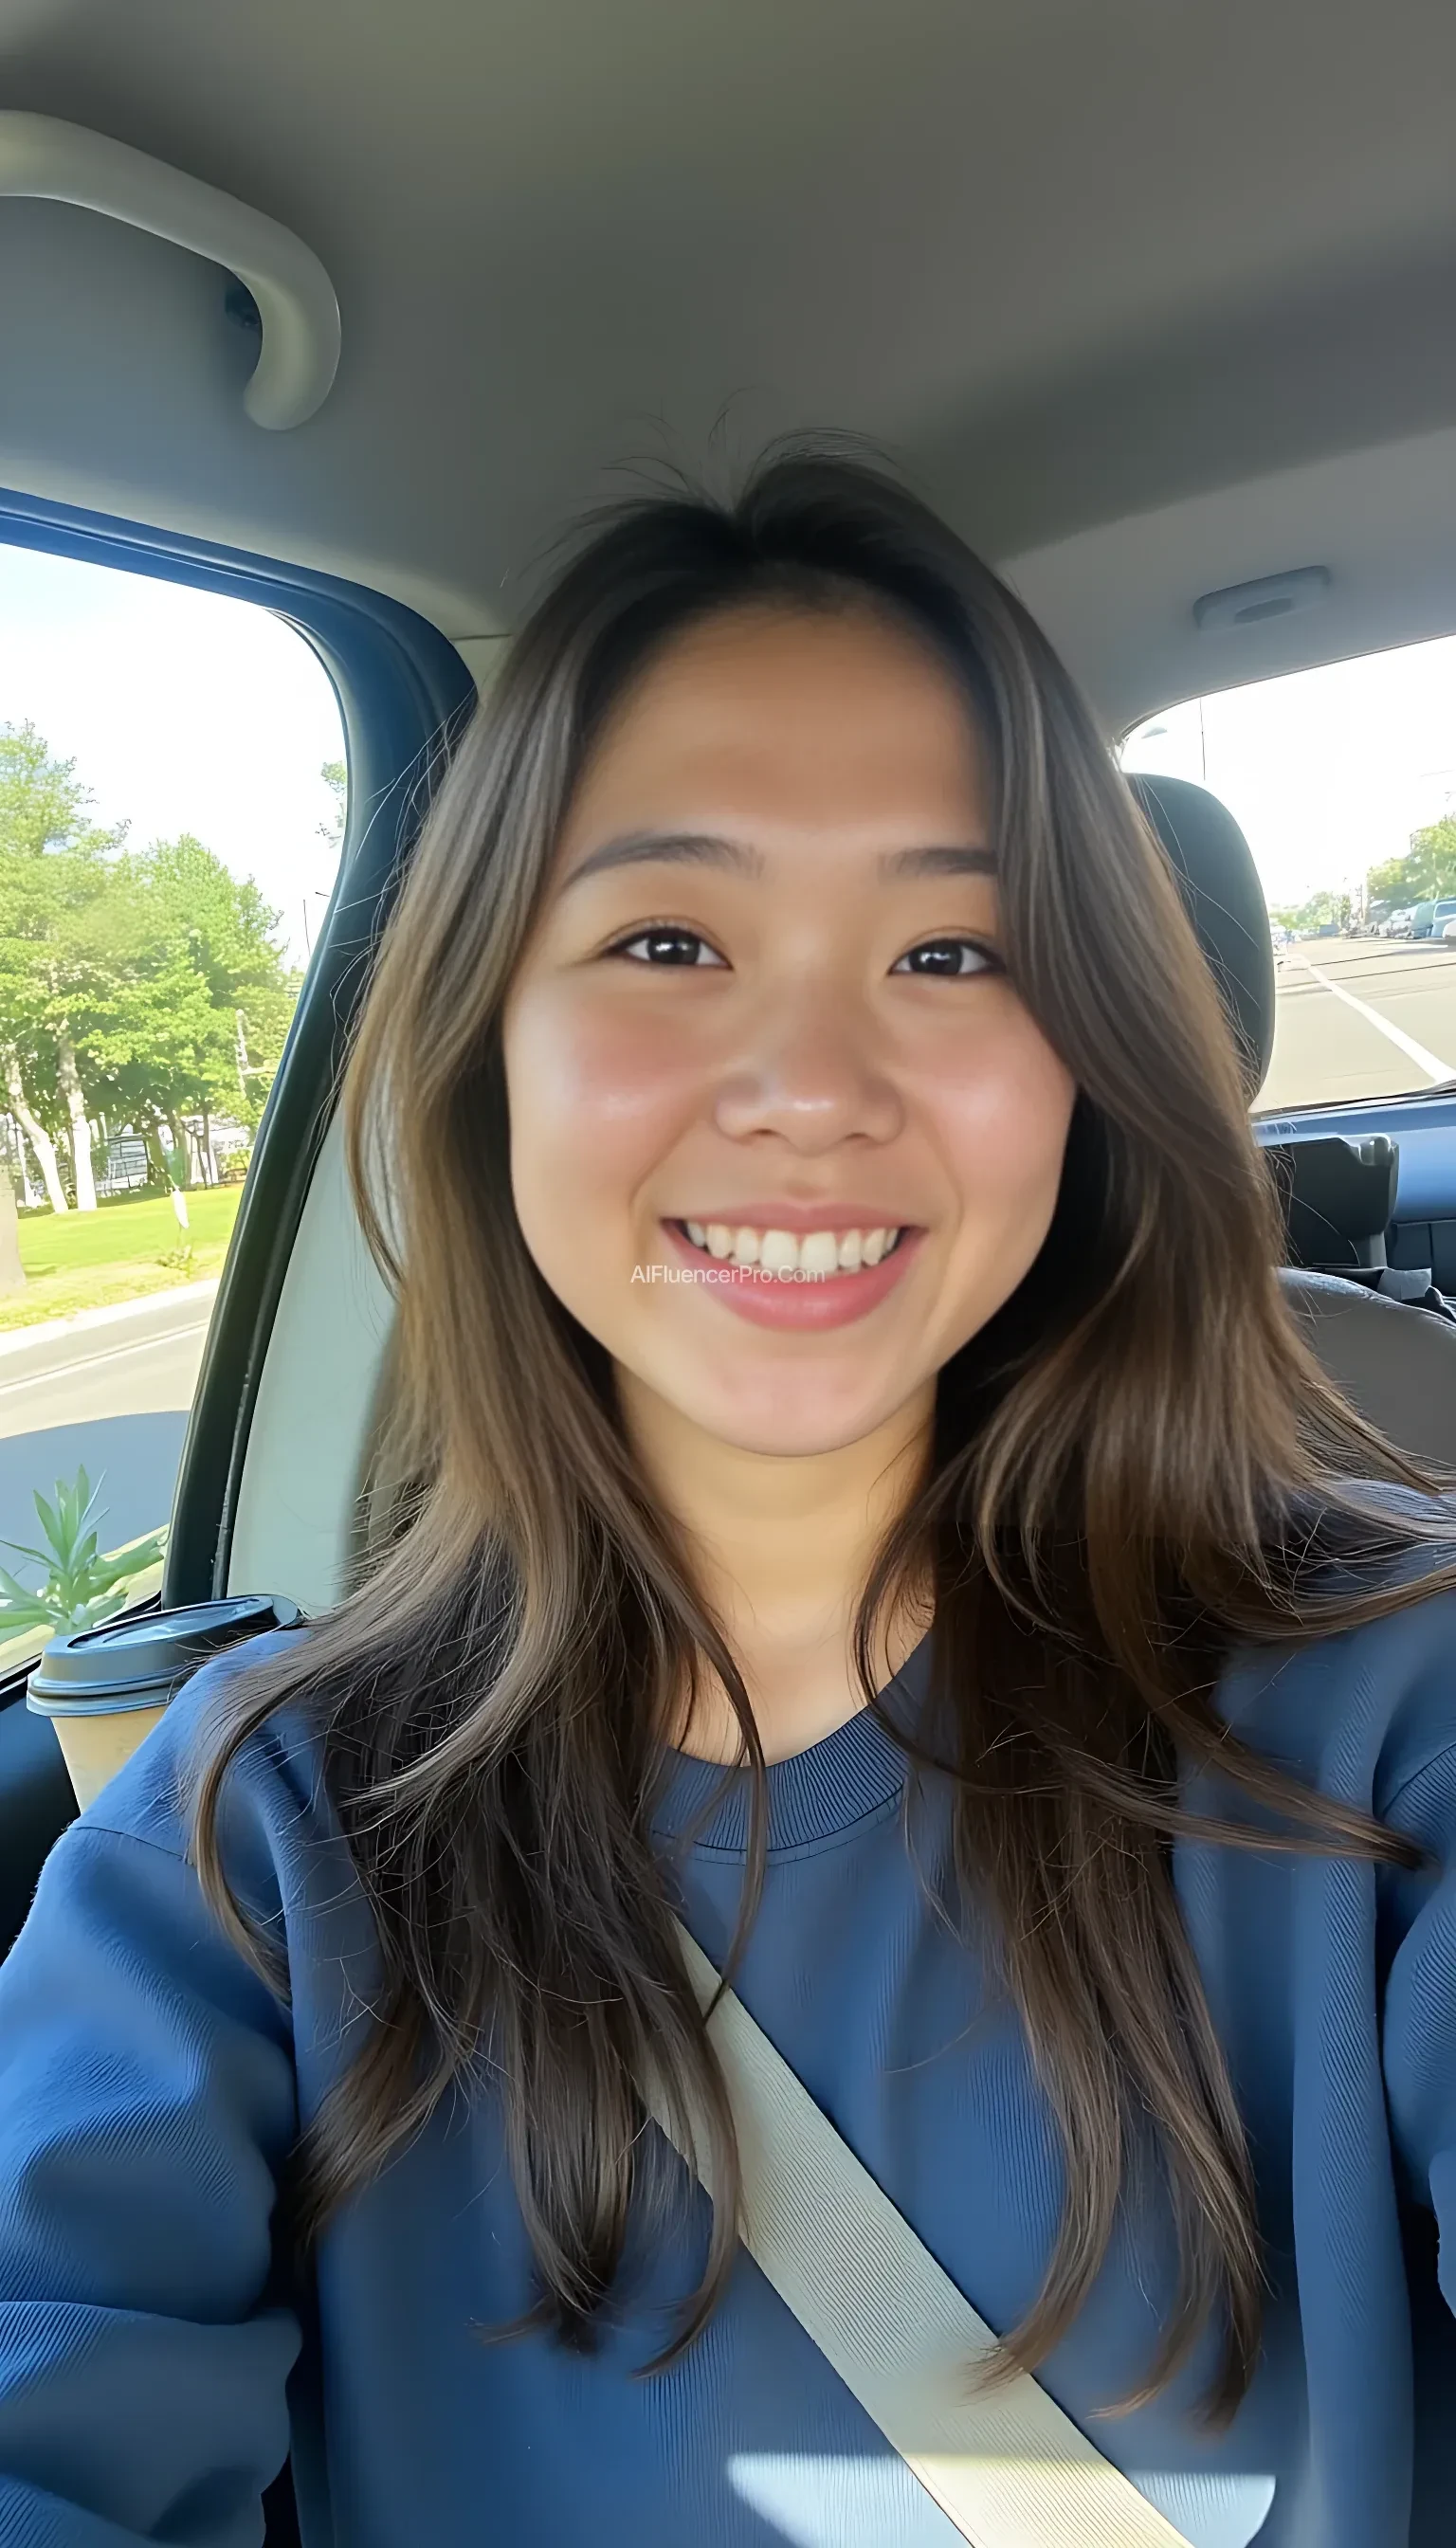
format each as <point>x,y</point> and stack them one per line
<point>1005,2465</point>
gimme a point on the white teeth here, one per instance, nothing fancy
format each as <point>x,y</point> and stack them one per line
<point>819,1251</point>
<point>781,1251</point>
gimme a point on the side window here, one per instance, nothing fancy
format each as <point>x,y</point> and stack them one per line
<point>172,802</point>
<point>1344,781</point>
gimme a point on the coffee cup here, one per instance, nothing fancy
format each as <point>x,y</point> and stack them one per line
<point>105,1689</point>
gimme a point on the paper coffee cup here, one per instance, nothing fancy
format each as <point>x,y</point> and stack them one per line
<point>96,1747</point>
<point>105,1689</point>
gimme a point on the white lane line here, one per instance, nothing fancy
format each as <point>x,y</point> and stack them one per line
<point>88,1362</point>
<point>1430,1062</point>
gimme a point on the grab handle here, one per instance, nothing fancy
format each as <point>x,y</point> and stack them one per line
<point>65,163</point>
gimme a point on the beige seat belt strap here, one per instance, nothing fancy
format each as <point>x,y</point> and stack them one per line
<point>1006,2466</point>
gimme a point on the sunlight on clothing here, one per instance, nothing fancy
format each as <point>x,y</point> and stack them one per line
<point>859,2502</point>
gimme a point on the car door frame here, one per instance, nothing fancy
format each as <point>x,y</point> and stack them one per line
<point>405,695</point>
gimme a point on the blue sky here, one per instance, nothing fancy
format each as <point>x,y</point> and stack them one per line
<point>182,712</point>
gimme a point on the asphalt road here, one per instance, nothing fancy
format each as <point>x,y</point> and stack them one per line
<point>1356,1018</point>
<point>1362,1017</point>
<point>111,1398</point>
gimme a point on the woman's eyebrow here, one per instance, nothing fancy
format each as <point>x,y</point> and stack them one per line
<point>962,858</point>
<point>710,848</point>
<point>641,849</point>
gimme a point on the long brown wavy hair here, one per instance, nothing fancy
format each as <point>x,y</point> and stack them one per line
<point>1136,1466</point>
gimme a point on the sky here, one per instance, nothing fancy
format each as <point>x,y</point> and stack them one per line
<point>185,713</point>
<point>1327,772</point>
<point>182,712</point>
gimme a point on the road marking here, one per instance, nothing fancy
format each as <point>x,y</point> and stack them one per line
<point>88,1362</point>
<point>1430,1062</point>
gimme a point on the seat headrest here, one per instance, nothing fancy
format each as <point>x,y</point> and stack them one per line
<point>1214,871</point>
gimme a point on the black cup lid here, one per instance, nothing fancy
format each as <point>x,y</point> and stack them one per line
<point>137,1663</point>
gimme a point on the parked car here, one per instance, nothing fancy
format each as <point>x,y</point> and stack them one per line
<point>1434,915</point>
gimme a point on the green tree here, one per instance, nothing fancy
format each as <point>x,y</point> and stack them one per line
<point>57,924</point>
<point>1425,873</point>
<point>12,1271</point>
<point>148,985</point>
<point>211,997</point>
<point>1322,911</point>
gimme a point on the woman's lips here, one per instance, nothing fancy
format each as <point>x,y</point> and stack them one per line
<point>806,1302</point>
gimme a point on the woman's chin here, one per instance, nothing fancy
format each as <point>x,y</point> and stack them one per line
<point>784,1417</point>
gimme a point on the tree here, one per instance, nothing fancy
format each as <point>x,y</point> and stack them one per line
<point>57,965</point>
<point>209,998</point>
<point>12,1271</point>
<point>35,1134</point>
<point>148,985</point>
<point>1324,910</point>
<point>1425,873</point>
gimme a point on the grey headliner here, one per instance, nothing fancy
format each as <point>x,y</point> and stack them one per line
<point>1150,294</point>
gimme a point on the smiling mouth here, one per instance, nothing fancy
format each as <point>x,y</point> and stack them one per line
<point>788,1251</point>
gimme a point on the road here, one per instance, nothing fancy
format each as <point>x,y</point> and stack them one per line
<point>1362,1017</point>
<point>112,1397</point>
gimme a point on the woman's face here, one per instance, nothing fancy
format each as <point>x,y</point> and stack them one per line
<point>783,1136</point>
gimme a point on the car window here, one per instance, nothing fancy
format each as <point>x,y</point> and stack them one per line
<point>172,805</point>
<point>1344,780</point>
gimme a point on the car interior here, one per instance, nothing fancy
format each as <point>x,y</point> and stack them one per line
<point>344,311</point>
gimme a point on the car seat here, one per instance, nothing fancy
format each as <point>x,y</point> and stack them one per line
<point>1395,1361</point>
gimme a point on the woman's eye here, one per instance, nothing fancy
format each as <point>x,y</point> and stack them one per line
<point>949,957</point>
<point>667,946</point>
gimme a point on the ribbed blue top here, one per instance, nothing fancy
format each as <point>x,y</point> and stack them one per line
<point>815,1795</point>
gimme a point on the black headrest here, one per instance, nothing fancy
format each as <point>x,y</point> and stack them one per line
<point>1216,875</point>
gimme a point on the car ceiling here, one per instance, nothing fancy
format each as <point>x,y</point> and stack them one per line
<point>1150,296</point>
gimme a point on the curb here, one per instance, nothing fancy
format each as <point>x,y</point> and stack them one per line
<point>116,1312</point>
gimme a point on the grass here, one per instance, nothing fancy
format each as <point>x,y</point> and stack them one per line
<point>86,1260</point>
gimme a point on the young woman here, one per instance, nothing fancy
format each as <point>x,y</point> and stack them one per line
<point>859,1490</point>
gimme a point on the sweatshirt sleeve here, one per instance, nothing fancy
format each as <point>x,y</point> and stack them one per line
<point>1419,2016</point>
<point>147,2103</point>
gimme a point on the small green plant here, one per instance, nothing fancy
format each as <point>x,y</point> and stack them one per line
<point>179,1260</point>
<point>81,1587</point>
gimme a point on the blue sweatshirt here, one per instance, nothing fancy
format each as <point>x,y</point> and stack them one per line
<point>157,2366</point>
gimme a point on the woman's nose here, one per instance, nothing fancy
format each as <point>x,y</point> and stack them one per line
<point>810,1072</point>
